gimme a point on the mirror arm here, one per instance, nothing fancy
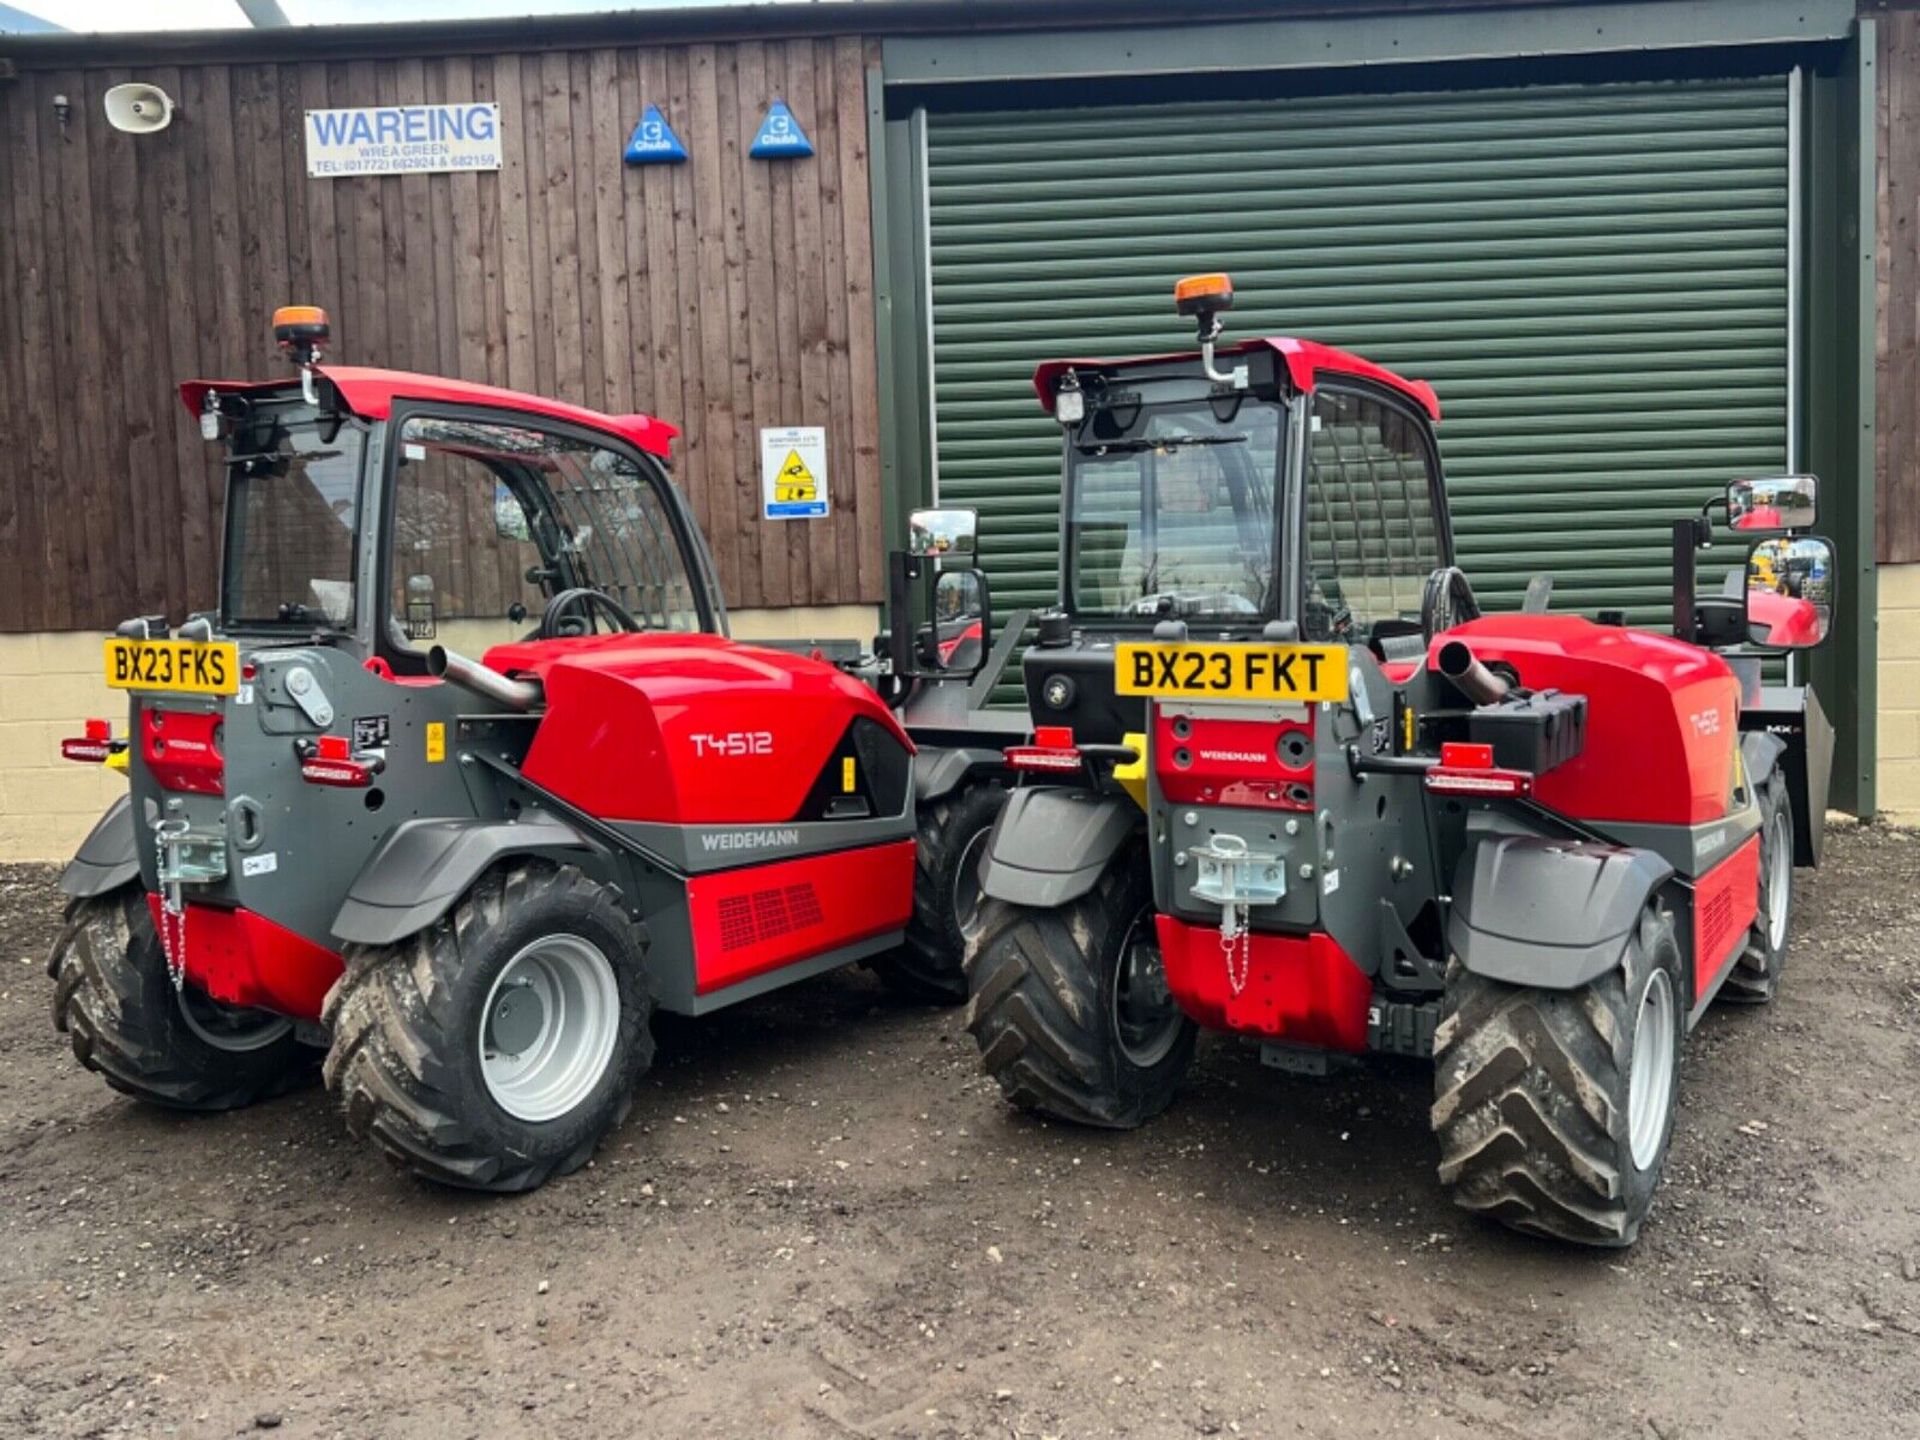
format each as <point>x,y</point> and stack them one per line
<point>1688,536</point>
<point>902,569</point>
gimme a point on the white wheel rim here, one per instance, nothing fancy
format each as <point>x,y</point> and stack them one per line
<point>228,1028</point>
<point>966,884</point>
<point>1650,1085</point>
<point>558,1005</point>
<point>1779,880</point>
<point>1146,1017</point>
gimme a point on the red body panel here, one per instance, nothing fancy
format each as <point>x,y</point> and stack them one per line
<point>685,729</point>
<point>240,958</point>
<point>1662,715</point>
<point>1790,621</point>
<point>1304,359</point>
<point>1725,900</point>
<point>371,393</point>
<point>1232,762</point>
<point>181,749</point>
<point>1301,989</point>
<point>747,922</point>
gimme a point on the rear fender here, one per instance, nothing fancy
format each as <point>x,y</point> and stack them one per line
<point>108,858</point>
<point>425,866</point>
<point>938,773</point>
<point>1548,913</point>
<point>1051,844</point>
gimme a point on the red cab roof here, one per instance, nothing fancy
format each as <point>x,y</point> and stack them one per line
<point>1304,359</point>
<point>371,393</point>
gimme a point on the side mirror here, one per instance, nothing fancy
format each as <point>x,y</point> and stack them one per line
<point>942,534</point>
<point>1790,586</point>
<point>1781,502</point>
<point>954,641</point>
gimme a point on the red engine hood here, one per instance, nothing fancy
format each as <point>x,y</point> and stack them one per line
<point>1662,715</point>
<point>685,729</point>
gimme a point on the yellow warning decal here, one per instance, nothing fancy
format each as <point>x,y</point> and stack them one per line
<point>846,775</point>
<point>436,742</point>
<point>795,481</point>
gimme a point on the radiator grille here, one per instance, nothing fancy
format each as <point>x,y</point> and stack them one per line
<point>768,914</point>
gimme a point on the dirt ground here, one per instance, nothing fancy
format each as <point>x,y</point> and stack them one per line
<point>820,1221</point>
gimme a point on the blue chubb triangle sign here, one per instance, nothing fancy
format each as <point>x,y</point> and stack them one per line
<point>780,137</point>
<point>654,142</point>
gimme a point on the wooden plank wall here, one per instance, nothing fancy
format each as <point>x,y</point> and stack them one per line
<point>724,295</point>
<point>1897,386</point>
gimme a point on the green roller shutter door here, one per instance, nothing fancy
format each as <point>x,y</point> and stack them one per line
<point>1594,277</point>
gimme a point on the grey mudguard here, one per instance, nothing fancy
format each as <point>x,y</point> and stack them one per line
<point>1551,913</point>
<point>1050,845</point>
<point>941,772</point>
<point>108,858</point>
<point>1760,752</point>
<point>424,866</point>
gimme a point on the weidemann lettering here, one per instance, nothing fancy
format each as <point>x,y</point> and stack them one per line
<point>750,839</point>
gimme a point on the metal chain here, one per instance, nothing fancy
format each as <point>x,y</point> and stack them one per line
<point>1236,933</point>
<point>173,912</point>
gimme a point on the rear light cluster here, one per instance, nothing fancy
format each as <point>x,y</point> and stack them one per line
<point>1467,769</point>
<point>1259,764</point>
<point>331,761</point>
<point>1052,752</point>
<point>92,748</point>
<point>181,749</point>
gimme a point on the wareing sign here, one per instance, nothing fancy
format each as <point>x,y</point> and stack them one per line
<point>402,140</point>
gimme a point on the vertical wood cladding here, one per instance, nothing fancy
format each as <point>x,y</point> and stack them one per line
<point>724,295</point>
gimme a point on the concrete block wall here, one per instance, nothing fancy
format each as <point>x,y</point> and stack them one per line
<point>50,685</point>
<point>1899,740</point>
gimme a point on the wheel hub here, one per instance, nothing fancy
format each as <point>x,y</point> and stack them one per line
<point>518,1017</point>
<point>234,1029</point>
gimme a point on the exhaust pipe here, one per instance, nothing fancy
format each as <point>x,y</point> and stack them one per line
<point>1469,676</point>
<point>444,664</point>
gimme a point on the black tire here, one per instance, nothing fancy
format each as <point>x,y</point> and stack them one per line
<point>1046,1011</point>
<point>930,964</point>
<point>1532,1095</point>
<point>1755,976</point>
<point>406,1065</point>
<point>113,996</point>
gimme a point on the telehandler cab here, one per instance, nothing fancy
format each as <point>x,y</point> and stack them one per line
<point>468,884</point>
<point>1290,784</point>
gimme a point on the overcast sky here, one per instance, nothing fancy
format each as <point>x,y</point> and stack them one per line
<point>217,14</point>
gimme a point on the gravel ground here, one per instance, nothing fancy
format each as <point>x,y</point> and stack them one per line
<point>820,1221</point>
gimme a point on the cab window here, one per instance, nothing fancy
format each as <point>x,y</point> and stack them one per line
<point>1371,539</point>
<point>491,520</point>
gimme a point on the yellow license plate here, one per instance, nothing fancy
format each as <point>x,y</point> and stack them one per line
<point>1285,673</point>
<point>182,666</point>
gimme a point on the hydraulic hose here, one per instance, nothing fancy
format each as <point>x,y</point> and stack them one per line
<point>444,664</point>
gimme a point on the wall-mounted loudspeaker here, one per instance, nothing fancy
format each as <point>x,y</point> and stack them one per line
<point>139,109</point>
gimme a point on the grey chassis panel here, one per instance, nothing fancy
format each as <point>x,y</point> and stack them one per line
<point>1550,913</point>
<point>108,858</point>
<point>426,865</point>
<point>1050,845</point>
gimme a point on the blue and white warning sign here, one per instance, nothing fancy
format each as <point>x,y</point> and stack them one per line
<point>780,137</point>
<point>793,473</point>
<point>402,140</point>
<point>654,142</point>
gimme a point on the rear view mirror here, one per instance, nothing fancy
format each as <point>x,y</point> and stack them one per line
<point>1790,592</point>
<point>956,638</point>
<point>1781,502</point>
<point>942,534</point>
